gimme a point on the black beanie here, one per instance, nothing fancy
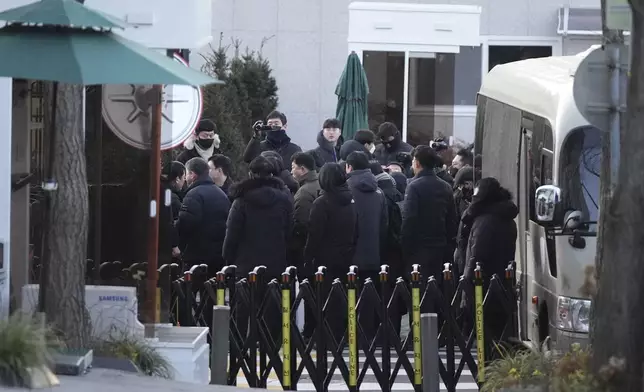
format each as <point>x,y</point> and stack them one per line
<point>206,125</point>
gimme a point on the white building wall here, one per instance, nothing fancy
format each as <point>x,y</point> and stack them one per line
<point>306,43</point>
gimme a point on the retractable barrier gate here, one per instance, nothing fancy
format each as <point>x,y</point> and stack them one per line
<point>352,316</point>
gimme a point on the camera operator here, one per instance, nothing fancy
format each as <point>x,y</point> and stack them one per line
<point>442,151</point>
<point>271,137</point>
<point>391,145</point>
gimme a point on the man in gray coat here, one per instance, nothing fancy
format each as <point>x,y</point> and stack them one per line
<point>303,170</point>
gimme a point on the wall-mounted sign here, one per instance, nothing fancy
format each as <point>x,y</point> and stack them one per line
<point>127,111</point>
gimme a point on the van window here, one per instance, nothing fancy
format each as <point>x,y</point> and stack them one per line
<point>580,170</point>
<point>541,158</point>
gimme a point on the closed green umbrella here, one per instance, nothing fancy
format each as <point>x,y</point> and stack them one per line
<point>352,91</point>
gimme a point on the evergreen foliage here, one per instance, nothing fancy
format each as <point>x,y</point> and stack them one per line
<point>249,94</point>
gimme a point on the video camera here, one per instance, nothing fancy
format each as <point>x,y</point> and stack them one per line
<point>438,144</point>
<point>404,158</point>
<point>259,126</point>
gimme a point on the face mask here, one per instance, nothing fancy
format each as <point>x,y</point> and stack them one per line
<point>393,144</point>
<point>372,148</point>
<point>204,143</point>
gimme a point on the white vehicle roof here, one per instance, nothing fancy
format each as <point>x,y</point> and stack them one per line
<point>542,86</point>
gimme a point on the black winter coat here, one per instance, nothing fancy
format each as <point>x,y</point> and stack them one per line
<point>371,207</point>
<point>385,156</point>
<point>226,186</point>
<point>391,248</point>
<point>259,226</point>
<point>168,235</point>
<point>187,155</point>
<point>445,176</point>
<point>325,152</point>
<point>350,146</point>
<point>429,222</point>
<point>332,231</point>
<point>492,238</point>
<point>255,147</point>
<point>202,222</point>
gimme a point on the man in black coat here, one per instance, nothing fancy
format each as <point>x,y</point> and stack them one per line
<point>364,140</point>
<point>329,143</point>
<point>260,222</point>
<point>202,218</point>
<point>220,170</point>
<point>276,139</point>
<point>371,207</point>
<point>429,224</point>
<point>392,144</point>
<point>373,221</point>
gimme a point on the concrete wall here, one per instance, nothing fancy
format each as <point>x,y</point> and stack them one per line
<point>306,43</point>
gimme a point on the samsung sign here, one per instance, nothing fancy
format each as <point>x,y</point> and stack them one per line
<point>113,298</point>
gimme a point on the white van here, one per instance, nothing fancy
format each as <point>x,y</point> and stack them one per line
<point>534,140</point>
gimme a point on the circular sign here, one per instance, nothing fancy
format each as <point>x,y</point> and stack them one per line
<point>127,111</point>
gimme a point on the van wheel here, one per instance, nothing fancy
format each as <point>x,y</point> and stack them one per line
<point>544,329</point>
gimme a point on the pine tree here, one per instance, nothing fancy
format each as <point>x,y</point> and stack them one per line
<point>248,95</point>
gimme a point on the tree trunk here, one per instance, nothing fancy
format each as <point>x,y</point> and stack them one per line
<point>68,222</point>
<point>618,317</point>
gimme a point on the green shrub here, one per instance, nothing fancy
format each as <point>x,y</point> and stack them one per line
<point>139,351</point>
<point>554,372</point>
<point>24,346</point>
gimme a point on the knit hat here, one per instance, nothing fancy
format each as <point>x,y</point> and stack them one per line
<point>206,125</point>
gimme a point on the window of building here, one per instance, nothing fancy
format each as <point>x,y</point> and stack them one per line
<point>386,75</point>
<point>502,54</point>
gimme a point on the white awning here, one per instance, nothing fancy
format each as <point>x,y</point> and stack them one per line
<point>580,21</point>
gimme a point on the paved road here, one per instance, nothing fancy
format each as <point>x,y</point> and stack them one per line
<point>402,383</point>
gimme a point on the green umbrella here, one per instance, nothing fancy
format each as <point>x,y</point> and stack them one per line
<point>352,91</point>
<point>59,41</point>
<point>86,56</point>
<point>61,13</point>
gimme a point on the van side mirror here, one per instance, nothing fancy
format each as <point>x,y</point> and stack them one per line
<point>547,203</point>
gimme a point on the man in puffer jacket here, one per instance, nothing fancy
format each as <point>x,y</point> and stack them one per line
<point>329,143</point>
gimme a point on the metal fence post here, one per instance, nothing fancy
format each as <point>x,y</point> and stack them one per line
<point>429,343</point>
<point>219,345</point>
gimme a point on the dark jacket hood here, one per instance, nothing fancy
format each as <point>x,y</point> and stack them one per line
<point>385,181</point>
<point>350,146</point>
<point>401,181</point>
<point>362,180</point>
<point>261,192</point>
<point>505,210</point>
<point>333,183</point>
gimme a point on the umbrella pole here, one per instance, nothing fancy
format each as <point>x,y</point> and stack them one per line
<point>153,223</point>
<point>49,186</point>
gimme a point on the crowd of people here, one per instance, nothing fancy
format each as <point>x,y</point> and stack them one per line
<point>368,201</point>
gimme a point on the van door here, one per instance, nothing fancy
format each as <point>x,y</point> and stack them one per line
<point>523,233</point>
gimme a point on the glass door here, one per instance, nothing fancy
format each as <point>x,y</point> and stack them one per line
<point>386,76</point>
